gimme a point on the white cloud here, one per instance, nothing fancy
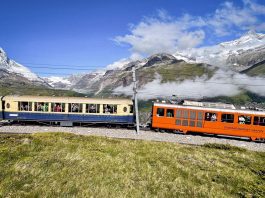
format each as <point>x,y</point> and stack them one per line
<point>165,33</point>
<point>161,34</point>
<point>223,83</point>
<point>122,62</point>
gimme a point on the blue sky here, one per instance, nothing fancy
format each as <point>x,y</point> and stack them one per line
<point>98,33</point>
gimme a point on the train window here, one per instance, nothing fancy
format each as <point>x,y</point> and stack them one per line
<point>170,112</point>
<point>25,106</point>
<point>184,122</point>
<point>200,116</point>
<point>185,114</point>
<point>92,108</point>
<point>199,124</point>
<point>58,107</point>
<point>193,115</point>
<point>109,108</point>
<point>209,116</point>
<point>75,107</point>
<point>124,109</point>
<point>192,123</point>
<point>259,121</point>
<point>41,106</point>
<point>244,119</point>
<point>7,105</point>
<point>178,113</point>
<point>160,112</point>
<point>227,118</point>
<point>178,122</point>
<point>131,108</point>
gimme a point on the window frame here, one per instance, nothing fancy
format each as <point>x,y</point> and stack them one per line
<point>29,104</point>
<point>210,118</point>
<point>226,119</point>
<point>62,104</point>
<point>97,108</point>
<point>79,107</point>
<point>172,113</point>
<point>158,114</point>
<point>44,103</point>
<point>111,108</point>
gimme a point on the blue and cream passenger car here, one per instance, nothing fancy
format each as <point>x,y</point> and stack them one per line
<point>68,110</point>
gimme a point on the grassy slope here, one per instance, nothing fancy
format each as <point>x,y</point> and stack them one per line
<point>179,71</point>
<point>239,99</point>
<point>63,165</point>
<point>34,90</point>
<point>256,71</point>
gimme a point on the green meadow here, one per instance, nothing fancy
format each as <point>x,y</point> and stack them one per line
<point>68,165</point>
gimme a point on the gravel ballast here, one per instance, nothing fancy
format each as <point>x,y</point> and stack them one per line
<point>143,135</point>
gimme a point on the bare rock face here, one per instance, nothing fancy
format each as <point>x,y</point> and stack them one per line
<point>158,59</point>
<point>246,58</point>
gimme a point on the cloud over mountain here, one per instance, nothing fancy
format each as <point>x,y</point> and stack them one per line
<point>164,33</point>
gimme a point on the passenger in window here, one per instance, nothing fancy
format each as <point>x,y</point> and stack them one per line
<point>207,117</point>
<point>22,108</point>
<point>45,107</point>
<point>169,114</point>
<point>241,120</point>
<point>106,109</point>
<point>58,108</point>
<point>92,109</point>
<point>213,118</point>
<point>75,108</point>
<point>39,107</point>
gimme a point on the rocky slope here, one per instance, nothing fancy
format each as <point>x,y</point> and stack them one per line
<point>236,55</point>
<point>12,72</point>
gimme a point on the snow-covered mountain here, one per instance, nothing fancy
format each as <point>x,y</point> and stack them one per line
<point>9,67</point>
<point>237,55</point>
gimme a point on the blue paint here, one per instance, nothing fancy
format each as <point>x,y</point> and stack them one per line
<point>32,116</point>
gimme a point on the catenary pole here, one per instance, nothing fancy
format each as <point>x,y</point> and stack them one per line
<point>135,101</point>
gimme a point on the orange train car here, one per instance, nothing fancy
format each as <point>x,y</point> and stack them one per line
<point>218,119</point>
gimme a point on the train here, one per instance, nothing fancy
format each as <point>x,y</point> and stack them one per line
<point>65,111</point>
<point>209,118</point>
<point>181,117</point>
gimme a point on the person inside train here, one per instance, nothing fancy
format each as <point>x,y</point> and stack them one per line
<point>106,109</point>
<point>75,108</point>
<point>57,108</point>
<point>39,107</point>
<point>45,107</point>
<point>92,109</point>
<point>213,118</point>
<point>207,117</point>
<point>241,120</point>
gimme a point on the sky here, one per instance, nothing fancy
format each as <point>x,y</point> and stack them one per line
<point>89,35</point>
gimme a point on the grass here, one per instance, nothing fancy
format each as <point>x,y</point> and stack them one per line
<point>258,70</point>
<point>35,90</point>
<point>67,165</point>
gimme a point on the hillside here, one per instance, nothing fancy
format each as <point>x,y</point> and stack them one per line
<point>67,165</point>
<point>20,89</point>
<point>256,70</point>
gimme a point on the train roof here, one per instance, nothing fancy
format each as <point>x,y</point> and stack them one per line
<point>245,111</point>
<point>69,99</point>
